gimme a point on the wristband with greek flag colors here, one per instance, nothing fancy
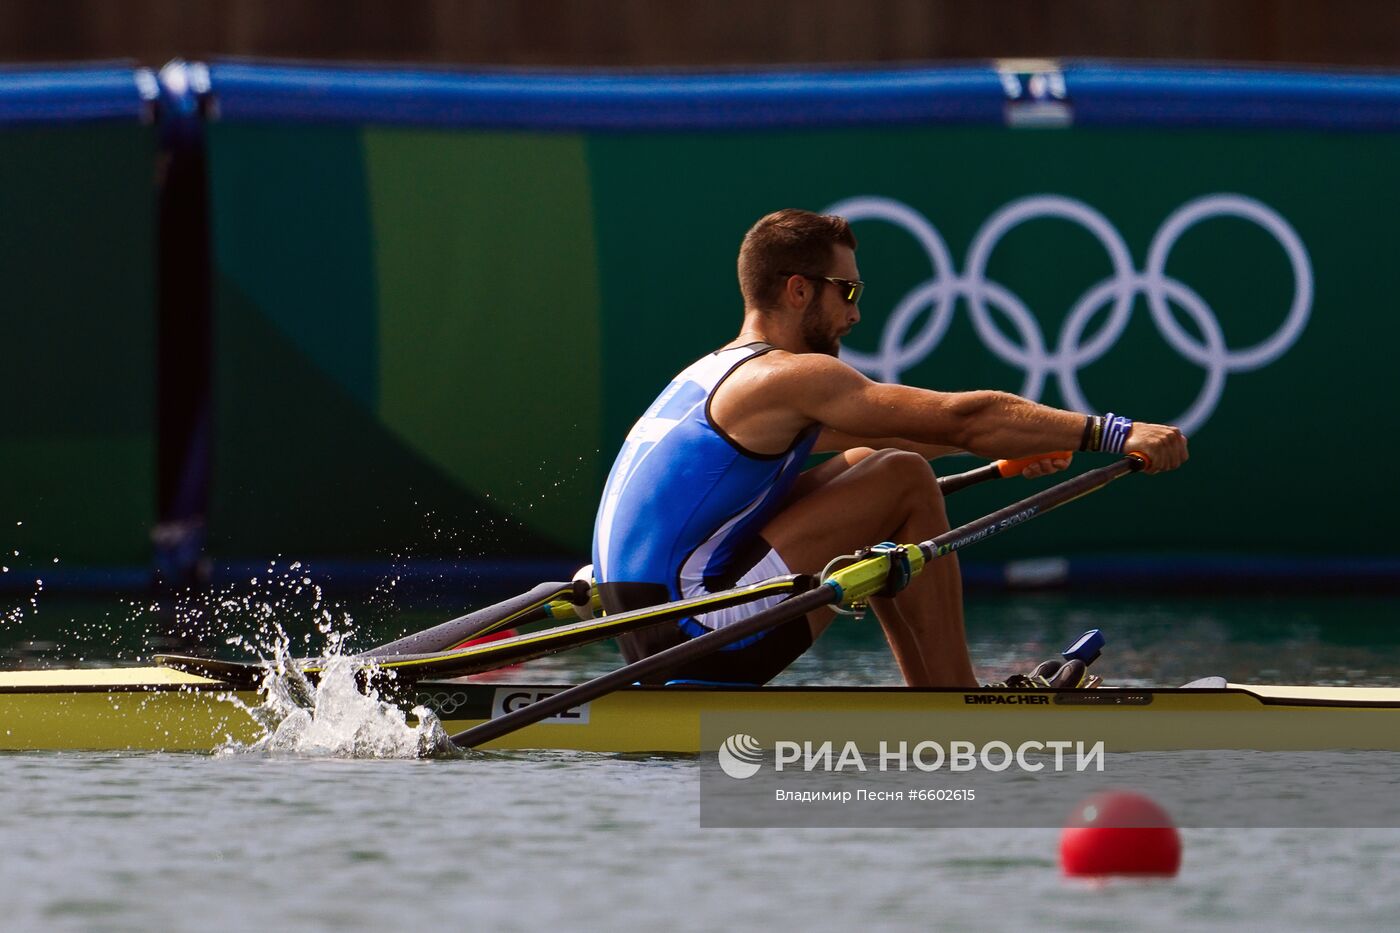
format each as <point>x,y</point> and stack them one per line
<point>1115,433</point>
<point>1108,433</point>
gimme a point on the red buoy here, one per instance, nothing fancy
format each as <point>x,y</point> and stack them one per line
<point>1120,833</point>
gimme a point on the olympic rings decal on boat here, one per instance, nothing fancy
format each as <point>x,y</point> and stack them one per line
<point>445,704</point>
<point>901,350</point>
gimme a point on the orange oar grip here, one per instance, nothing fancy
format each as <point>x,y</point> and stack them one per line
<point>1146,460</point>
<point>1018,466</point>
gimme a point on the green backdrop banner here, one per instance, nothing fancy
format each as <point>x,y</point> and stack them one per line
<point>78,344</point>
<point>433,341</point>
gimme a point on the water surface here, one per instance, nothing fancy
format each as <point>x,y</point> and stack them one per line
<point>576,841</point>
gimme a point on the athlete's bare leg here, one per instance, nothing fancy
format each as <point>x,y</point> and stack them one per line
<point>862,497</point>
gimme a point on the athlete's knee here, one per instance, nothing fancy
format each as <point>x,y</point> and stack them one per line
<point>857,454</point>
<point>907,468</point>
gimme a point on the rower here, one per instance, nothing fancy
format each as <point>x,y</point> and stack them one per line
<point>709,490</point>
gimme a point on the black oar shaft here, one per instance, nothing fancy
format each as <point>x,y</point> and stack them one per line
<point>790,608</point>
<point>1029,507</point>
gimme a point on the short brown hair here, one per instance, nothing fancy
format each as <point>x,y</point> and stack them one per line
<point>788,240</point>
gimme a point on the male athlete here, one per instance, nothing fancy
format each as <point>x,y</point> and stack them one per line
<point>709,492</point>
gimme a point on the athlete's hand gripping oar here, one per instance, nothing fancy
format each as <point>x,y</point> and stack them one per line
<point>998,469</point>
<point>886,570</point>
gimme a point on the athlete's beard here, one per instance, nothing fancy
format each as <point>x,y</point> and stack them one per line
<point>818,338</point>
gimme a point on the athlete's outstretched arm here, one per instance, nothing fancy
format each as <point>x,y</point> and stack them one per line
<point>987,423</point>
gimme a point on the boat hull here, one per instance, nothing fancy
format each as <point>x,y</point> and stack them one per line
<point>156,709</point>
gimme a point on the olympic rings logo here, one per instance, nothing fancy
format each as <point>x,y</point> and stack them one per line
<point>445,704</point>
<point>900,350</point>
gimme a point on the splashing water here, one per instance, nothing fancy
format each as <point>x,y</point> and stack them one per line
<point>342,715</point>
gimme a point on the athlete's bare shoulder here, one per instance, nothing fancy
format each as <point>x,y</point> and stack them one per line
<point>751,384</point>
<point>768,400</point>
<point>793,377</point>
<point>788,367</point>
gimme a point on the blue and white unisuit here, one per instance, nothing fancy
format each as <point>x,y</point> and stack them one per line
<point>684,502</point>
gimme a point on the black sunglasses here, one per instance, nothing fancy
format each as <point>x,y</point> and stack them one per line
<point>850,291</point>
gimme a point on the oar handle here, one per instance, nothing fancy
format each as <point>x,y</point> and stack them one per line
<point>1016,467</point>
<point>999,469</point>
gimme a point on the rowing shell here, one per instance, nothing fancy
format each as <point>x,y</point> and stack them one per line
<point>160,709</point>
